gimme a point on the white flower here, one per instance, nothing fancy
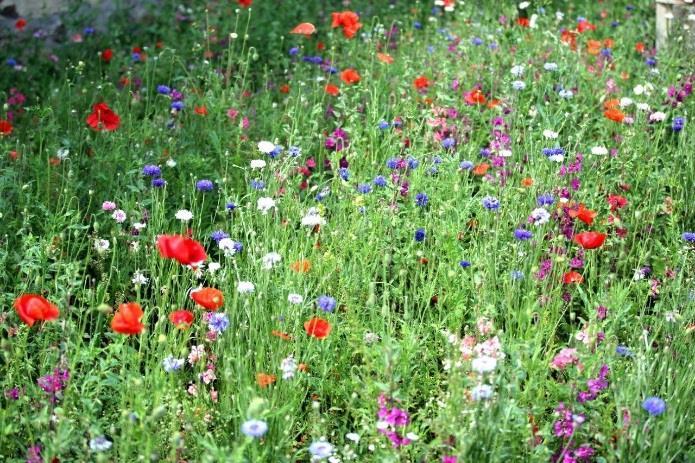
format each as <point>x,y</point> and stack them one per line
<point>599,150</point>
<point>371,338</point>
<point>312,218</point>
<point>518,85</point>
<point>557,157</point>
<point>566,94</point>
<point>524,5</point>
<point>213,267</point>
<point>139,226</point>
<point>354,437</point>
<point>288,367</point>
<point>625,102</point>
<point>139,279</point>
<point>550,67</point>
<point>550,134</point>
<point>245,287</point>
<point>484,364</point>
<point>657,116</point>
<point>266,147</point>
<point>505,153</point>
<point>320,450</point>
<point>257,164</point>
<point>171,163</point>
<point>184,215</point>
<point>638,90</point>
<point>270,259</point>
<point>517,70</point>
<point>265,204</point>
<point>62,153</point>
<point>293,298</point>
<point>119,215</point>
<point>481,392</point>
<point>642,106</point>
<point>559,15</point>
<point>540,216</point>
<point>102,245</point>
<point>412,436</point>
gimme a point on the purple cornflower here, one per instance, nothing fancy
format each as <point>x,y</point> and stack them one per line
<point>177,105</point>
<point>159,182</point>
<point>218,322</point>
<point>466,165</point>
<point>326,303</point>
<point>204,185</point>
<point>151,170</point>
<point>379,181</point>
<point>655,406</point>
<point>421,199</point>
<point>490,203</point>
<point>420,235</point>
<point>689,237</point>
<point>163,90</point>
<point>257,184</point>
<point>545,199</point>
<point>364,188</point>
<point>218,235</point>
<point>623,351</point>
<point>522,235</point>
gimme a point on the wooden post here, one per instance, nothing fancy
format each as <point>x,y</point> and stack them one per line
<point>664,17</point>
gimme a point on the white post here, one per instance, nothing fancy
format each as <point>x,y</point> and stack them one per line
<point>661,23</point>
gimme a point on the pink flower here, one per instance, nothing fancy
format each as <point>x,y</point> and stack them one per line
<point>567,356</point>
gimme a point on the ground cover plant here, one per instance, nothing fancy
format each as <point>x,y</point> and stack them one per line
<point>368,231</point>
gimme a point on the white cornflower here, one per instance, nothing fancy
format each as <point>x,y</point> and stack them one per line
<point>566,94</point>
<point>599,150</point>
<point>657,116</point>
<point>293,298</point>
<point>270,259</point>
<point>257,164</point>
<point>171,163</point>
<point>119,215</point>
<point>265,204</point>
<point>354,437</point>
<point>184,215</point>
<point>313,218</point>
<point>625,102</point>
<point>139,279</point>
<point>102,246</point>
<point>245,287</point>
<point>642,106</point>
<point>518,85</point>
<point>517,70</point>
<point>213,267</point>
<point>481,392</point>
<point>228,246</point>
<point>550,134</point>
<point>139,226</point>
<point>288,367</point>
<point>552,67</point>
<point>371,338</point>
<point>266,147</point>
<point>540,216</point>
<point>62,153</point>
<point>484,364</point>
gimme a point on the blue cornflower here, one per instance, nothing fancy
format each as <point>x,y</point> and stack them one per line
<point>277,151</point>
<point>392,163</point>
<point>379,181</point>
<point>326,303</point>
<point>230,206</point>
<point>466,165</point>
<point>313,59</point>
<point>218,322</point>
<point>218,235</point>
<point>420,235</point>
<point>655,406</point>
<point>678,123</point>
<point>490,203</point>
<point>171,364</point>
<point>606,53</point>
<point>545,199</point>
<point>159,182</point>
<point>485,152</point>
<point>417,25</point>
<point>689,237</point>
<point>464,264</point>
<point>383,125</point>
<point>432,170</point>
<point>557,151</point>
<point>135,56</point>
<point>257,184</point>
<point>413,163</point>
<point>323,194</point>
<point>522,235</point>
<point>294,151</point>
<point>11,62</point>
<point>615,24</point>
<point>204,185</point>
<point>254,428</point>
<point>397,123</point>
<point>651,62</point>
<point>421,199</point>
<point>88,30</point>
<point>344,173</point>
<point>437,160</point>
<point>517,275</point>
<point>177,105</point>
<point>294,51</point>
<point>623,351</point>
<point>151,171</point>
<point>448,143</point>
<point>364,188</point>
<point>477,41</point>
<point>163,89</point>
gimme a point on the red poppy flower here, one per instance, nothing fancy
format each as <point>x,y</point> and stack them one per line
<point>583,214</point>
<point>385,58</point>
<point>332,90</point>
<point>106,55</point>
<point>590,239</point>
<point>284,88</point>
<point>181,248</point>
<point>614,114</point>
<point>616,202</point>
<point>5,127</point>
<point>103,118</point>
<point>317,328</point>
<point>350,76</point>
<point>245,3</point>
<point>348,20</point>
<point>474,97</point>
<point>127,318</point>
<point>584,26</point>
<point>201,110</point>
<point>208,298</point>
<point>20,24</point>
<point>639,47</point>
<point>421,83</point>
<point>32,307</point>
<point>572,277</point>
<point>182,319</point>
<point>305,29</point>
<point>523,22</point>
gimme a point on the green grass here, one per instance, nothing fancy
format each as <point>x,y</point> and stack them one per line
<point>400,303</point>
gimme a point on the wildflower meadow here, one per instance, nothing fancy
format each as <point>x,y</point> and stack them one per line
<point>369,231</point>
